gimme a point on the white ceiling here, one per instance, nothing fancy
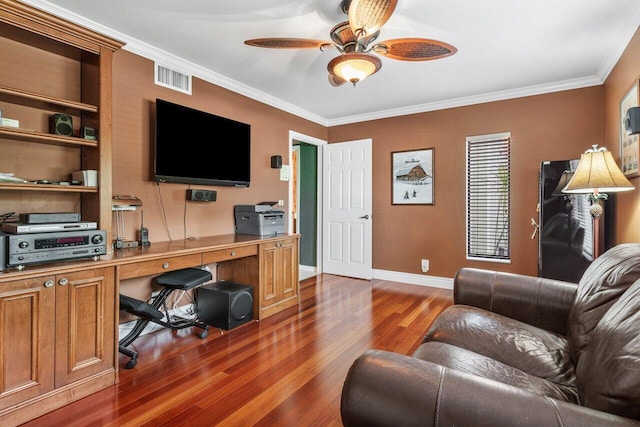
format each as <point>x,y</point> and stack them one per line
<point>506,49</point>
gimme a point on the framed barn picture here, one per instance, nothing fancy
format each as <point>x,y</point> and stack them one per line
<point>412,177</point>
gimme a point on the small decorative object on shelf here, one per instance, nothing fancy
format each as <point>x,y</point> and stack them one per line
<point>88,133</point>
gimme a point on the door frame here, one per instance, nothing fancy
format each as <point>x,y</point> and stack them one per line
<point>319,143</point>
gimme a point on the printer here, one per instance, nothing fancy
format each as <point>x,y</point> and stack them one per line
<point>259,220</point>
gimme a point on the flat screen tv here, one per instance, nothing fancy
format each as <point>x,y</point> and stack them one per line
<point>195,147</point>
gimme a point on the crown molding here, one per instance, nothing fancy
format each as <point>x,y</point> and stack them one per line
<point>473,100</point>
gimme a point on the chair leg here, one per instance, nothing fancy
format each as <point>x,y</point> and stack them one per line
<point>128,339</point>
<point>172,322</point>
<point>134,333</point>
<point>133,361</point>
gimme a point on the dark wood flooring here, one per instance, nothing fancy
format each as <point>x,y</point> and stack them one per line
<point>286,370</point>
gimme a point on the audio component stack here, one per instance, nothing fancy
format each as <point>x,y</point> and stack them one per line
<point>50,237</point>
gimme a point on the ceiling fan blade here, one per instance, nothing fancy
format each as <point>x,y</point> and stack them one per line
<point>287,43</point>
<point>370,15</point>
<point>414,49</point>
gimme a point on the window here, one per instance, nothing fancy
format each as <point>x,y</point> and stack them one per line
<point>582,216</point>
<point>488,197</point>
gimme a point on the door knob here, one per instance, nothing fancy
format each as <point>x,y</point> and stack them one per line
<point>364,217</point>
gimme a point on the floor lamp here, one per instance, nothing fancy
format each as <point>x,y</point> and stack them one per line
<point>596,175</point>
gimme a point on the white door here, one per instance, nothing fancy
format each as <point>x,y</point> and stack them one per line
<point>346,209</point>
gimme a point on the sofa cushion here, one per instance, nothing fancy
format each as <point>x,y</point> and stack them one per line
<point>602,283</point>
<point>530,349</point>
<point>467,361</point>
<point>608,373</point>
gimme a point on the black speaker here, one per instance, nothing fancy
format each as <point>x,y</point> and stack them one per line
<point>632,121</point>
<point>276,162</point>
<point>224,304</point>
<point>201,195</point>
<point>62,124</point>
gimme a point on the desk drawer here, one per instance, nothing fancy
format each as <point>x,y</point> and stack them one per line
<point>227,254</point>
<point>159,266</point>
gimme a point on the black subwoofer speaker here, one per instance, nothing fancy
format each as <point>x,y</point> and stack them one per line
<point>224,304</point>
<point>62,124</point>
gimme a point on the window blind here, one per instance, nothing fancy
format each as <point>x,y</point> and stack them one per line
<point>582,216</point>
<point>488,197</point>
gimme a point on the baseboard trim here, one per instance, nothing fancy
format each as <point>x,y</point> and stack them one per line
<point>306,271</point>
<point>414,279</point>
<point>308,268</point>
<point>397,276</point>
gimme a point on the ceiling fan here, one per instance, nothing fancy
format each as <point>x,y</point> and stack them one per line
<point>355,39</point>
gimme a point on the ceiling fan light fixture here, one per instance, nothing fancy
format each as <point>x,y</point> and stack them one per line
<point>354,67</point>
<point>355,38</point>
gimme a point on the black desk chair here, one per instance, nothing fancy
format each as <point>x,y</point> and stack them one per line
<point>185,279</point>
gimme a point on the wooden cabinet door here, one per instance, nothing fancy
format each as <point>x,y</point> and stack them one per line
<point>85,338</point>
<point>279,276</point>
<point>26,339</point>
<point>288,264</point>
<point>269,274</point>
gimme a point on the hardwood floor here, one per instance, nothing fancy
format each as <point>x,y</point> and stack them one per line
<point>286,370</point>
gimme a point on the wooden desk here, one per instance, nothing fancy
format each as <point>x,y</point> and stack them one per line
<point>268,264</point>
<point>59,325</point>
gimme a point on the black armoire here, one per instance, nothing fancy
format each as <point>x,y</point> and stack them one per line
<point>566,240</point>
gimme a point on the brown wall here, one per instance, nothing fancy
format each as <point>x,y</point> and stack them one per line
<point>134,94</point>
<point>625,73</point>
<point>556,126</point>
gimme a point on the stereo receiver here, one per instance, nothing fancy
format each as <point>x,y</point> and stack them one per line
<point>37,248</point>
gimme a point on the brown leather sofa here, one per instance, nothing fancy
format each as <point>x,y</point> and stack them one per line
<point>515,350</point>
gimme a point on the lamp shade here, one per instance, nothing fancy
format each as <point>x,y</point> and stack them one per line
<point>564,180</point>
<point>597,172</point>
<point>353,67</point>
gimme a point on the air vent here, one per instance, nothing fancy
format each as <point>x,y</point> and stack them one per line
<point>172,79</point>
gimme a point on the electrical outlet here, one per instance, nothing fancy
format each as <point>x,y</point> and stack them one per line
<point>425,265</point>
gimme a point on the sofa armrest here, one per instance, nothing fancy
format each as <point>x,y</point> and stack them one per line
<point>389,389</point>
<point>538,301</point>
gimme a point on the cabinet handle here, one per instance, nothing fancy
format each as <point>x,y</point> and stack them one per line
<point>233,253</point>
<point>63,282</point>
<point>48,283</point>
<point>165,265</point>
